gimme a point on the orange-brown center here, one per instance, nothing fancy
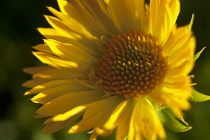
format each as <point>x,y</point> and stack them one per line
<point>133,64</point>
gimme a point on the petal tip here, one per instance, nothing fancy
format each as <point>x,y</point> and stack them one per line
<point>73,129</point>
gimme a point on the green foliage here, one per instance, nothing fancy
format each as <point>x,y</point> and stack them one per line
<point>171,122</point>
<point>197,55</point>
<point>199,97</point>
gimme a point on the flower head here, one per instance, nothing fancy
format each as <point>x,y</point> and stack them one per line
<point>116,63</point>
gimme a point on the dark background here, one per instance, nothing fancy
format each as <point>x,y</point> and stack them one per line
<point>18,23</point>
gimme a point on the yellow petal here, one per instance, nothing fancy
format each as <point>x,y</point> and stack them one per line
<point>176,40</point>
<point>51,93</point>
<point>145,122</point>
<point>88,14</point>
<point>54,61</point>
<point>51,33</point>
<point>35,70</point>
<point>53,125</point>
<point>124,121</point>
<point>96,114</point>
<point>123,15</point>
<point>115,115</point>
<point>141,15</point>
<point>92,47</point>
<point>64,6</point>
<point>110,123</point>
<point>99,131</point>
<point>162,20</point>
<point>93,136</point>
<point>68,114</point>
<point>50,84</point>
<point>59,74</point>
<point>181,82</point>
<point>70,52</point>
<point>182,92</point>
<point>177,100</point>
<point>182,69</point>
<point>72,24</point>
<point>175,9</point>
<point>29,84</point>
<point>185,53</point>
<point>43,48</point>
<point>178,37</point>
<point>100,23</point>
<point>68,101</point>
<point>61,27</point>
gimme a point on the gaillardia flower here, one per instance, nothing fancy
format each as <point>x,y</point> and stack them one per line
<point>119,64</point>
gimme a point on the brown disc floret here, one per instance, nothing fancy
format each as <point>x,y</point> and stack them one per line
<point>132,64</point>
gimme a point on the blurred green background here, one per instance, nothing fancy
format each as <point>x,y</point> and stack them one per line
<point>18,23</point>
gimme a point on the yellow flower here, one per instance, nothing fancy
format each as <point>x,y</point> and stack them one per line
<point>116,63</point>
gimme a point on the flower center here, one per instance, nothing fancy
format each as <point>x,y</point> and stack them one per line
<point>133,64</point>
